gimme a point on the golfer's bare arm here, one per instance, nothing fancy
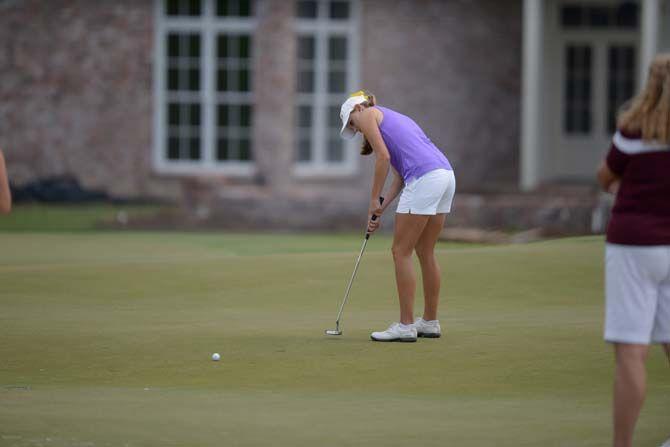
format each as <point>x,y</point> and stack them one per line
<point>5,194</point>
<point>394,189</point>
<point>608,180</point>
<point>369,124</point>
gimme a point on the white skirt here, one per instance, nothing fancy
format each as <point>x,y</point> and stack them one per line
<point>430,194</point>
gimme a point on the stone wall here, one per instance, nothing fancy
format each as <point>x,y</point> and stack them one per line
<point>455,67</point>
<point>76,97</point>
<point>76,93</point>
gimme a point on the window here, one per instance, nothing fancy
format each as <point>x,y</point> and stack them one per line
<point>183,8</point>
<point>203,86</point>
<point>233,75</point>
<point>620,80</point>
<point>578,76</point>
<point>326,71</point>
<point>234,8</point>
<point>577,15</point>
<point>183,83</point>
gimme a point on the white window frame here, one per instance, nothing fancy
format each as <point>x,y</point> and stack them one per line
<point>208,25</point>
<point>321,28</point>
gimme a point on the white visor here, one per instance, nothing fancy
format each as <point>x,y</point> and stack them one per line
<point>347,132</point>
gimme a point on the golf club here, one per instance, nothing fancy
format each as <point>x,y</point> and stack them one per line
<point>337,330</point>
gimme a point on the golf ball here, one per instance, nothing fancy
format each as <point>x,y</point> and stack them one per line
<point>216,357</point>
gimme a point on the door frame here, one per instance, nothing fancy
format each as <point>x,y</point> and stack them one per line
<point>561,165</point>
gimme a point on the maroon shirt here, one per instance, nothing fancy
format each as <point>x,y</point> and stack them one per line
<point>641,213</point>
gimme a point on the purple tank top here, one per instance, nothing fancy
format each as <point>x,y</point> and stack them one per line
<point>412,152</point>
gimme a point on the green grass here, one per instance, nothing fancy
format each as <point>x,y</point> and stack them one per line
<point>69,218</point>
<point>106,337</point>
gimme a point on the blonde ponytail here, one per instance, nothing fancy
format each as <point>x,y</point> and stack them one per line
<point>649,112</point>
<point>370,101</point>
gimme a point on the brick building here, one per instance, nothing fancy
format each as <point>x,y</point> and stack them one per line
<point>231,106</point>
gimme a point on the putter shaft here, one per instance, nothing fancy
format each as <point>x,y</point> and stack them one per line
<point>353,275</point>
<point>351,280</point>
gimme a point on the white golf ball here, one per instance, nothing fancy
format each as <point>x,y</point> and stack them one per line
<point>216,357</point>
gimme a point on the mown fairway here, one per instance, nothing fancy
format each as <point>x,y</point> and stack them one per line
<point>105,340</point>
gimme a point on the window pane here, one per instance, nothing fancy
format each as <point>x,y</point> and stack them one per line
<point>305,81</point>
<point>244,81</point>
<point>337,81</point>
<point>335,152</point>
<point>222,118</point>
<point>306,9</point>
<point>194,149</point>
<point>245,150</point>
<point>577,90</point>
<point>243,52</point>
<point>221,81</point>
<point>194,7</point>
<point>245,116</point>
<point>172,7</point>
<point>173,45</point>
<point>627,15</point>
<point>620,80</point>
<point>183,62</point>
<point>194,80</point>
<point>194,45</point>
<point>306,48</point>
<point>222,149</point>
<point>339,10</point>
<point>233,8</point>
<point>222,46</point>
<point>173,79</point>
<point>245,8</point>
<point>337,48</point>
<point>183,7</point>
<point>334,120</point>
<point>599,16</point>
<point>571,16</point>
<point>304,115</point>
<point>233,53</point>
<point>194,115</point>
<point>623,15</point>
<point>223,7</point>
<point>173,149</point>
<point>304,150</point>
<point>173,114</point>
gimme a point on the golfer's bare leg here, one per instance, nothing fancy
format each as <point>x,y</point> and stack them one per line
<point>430,269</point>
<point>408,229</point>
<point>666,348</point>
<point>629,390</point>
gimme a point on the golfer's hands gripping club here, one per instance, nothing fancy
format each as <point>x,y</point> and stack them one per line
<point>374,211</point>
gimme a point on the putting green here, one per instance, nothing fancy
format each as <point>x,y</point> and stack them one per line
<point>106,338</point>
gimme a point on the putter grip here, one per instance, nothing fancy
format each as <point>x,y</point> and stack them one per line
<point>374,217</point>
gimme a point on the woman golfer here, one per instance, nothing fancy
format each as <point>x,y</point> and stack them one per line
<point>424,176</point>
<point>637,254</point>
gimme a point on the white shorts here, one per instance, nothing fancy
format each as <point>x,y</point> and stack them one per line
<point>431,194</point>
<point>637,294</point>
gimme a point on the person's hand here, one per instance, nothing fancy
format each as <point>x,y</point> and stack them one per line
<point>614,187</point>
<point>375,209</point>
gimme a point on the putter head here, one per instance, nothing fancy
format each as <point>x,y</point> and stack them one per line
<point>333,332</point>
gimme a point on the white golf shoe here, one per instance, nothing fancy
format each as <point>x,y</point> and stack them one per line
<point>396,332</point>
<point>428,329</point>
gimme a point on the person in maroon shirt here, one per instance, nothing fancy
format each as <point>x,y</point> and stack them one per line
<point>637,253</point>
